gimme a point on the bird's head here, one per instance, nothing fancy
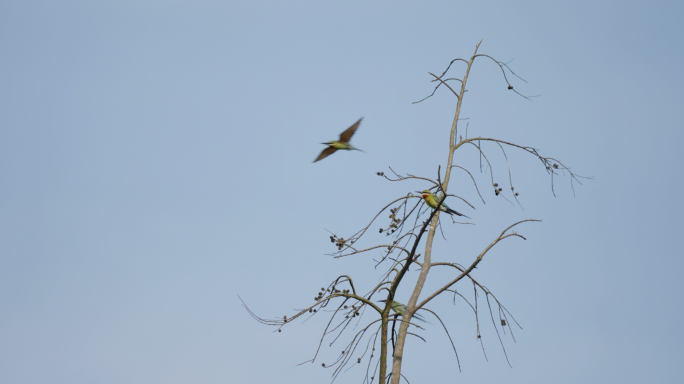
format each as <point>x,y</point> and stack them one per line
<point>424,194</point>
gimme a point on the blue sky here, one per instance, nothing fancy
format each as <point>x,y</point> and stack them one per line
<point>155,162</point>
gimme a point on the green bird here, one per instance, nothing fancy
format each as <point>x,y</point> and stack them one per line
<point>431,200</point>
<point>342,143</point>
<point>400,308</point>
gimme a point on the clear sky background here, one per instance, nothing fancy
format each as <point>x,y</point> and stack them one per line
<point>155,162</point>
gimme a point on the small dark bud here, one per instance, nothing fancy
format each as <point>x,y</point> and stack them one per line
<point>343,352</point>
<point>323,365</point>
<point>310,310</point>
<point>314,311</point>
<point>345,307</point>
<point>359,360</point>
<point>496,192</point>
<point>478,336</point>
<point>380,230</point>
<point>322,289</point>
<point>512,188</point>
<point>503,322</point>
<point>500,189</point>
<point>496,185</point>
<point>285,318</point>
<point>279,330</point>
<point>510,87</point>
<point>516,193</point>
<point>555,166</point>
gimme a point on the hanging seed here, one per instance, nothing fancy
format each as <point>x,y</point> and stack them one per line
<point>323,365</point>
<point>503,322</point>
<point>359,360</point>
<point>279,330</point>
<point>555,166</point>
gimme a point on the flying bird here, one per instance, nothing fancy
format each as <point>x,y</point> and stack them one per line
<point>342,143</point>
<point>431,200</point>
<point>400,308</point>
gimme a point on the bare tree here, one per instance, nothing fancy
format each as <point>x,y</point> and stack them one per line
<point>411,220</point>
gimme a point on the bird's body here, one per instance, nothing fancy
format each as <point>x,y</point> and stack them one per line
<point>341,144</point>
<point>431,200</point>
<point>400,309</point>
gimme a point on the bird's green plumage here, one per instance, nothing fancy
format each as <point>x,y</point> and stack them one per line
<point>341,144</point>
<point>400,309</point>
<point>431,200</point>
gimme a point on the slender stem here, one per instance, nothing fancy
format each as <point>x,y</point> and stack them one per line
<point>403,329</point>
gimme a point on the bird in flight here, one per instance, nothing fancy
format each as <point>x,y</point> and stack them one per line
<point>342,143</point>
<point>431,200</point>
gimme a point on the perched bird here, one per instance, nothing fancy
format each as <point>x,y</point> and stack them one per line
<point>400,308</point>
<point>342,143</point>
<point>431,200</point>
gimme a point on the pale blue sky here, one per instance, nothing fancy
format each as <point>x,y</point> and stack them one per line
<point>155,162</point>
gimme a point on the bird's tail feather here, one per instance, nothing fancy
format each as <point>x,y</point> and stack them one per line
<point>457,213</point>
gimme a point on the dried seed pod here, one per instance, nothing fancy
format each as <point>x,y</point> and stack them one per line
<point>555,166</point>
<point>503,322</point>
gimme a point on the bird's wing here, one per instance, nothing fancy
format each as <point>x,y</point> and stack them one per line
<point>326,152</point>
<point>346,135</point>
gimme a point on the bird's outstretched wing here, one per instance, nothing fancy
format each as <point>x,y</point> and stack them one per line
<point>346,135</point>
<point>326,152</point>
